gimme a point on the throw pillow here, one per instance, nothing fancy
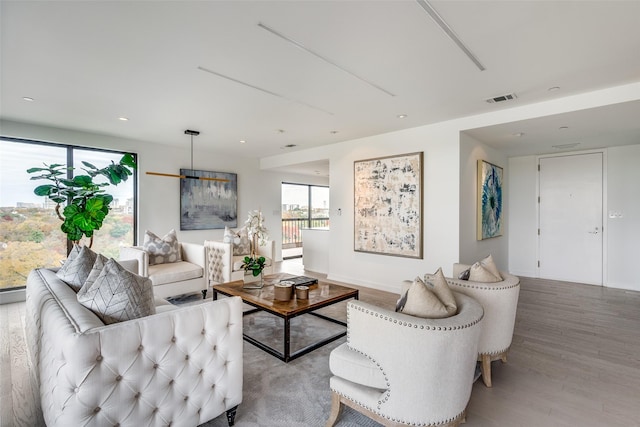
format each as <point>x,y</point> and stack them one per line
<point>162,250</point>
<point>433,300</point>
<point>489,265</point>
<point>75,271</point>
<point>477,273</point>
<point>101,260</point>
<point>118,295</point>
<point>239,240</point>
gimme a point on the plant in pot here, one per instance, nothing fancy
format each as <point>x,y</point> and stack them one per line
<point>87,203</point>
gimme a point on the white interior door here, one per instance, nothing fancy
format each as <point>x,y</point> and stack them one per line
<point>570,218</point>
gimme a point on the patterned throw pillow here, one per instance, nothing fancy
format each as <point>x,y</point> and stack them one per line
<point>431,299</point>
<point>118,295</point>
<point>239,240</point>
<point>162,250</point>
<point>76,269</point>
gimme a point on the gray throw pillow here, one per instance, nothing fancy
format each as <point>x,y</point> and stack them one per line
<point>162,250</point>
<point>118,295</point>
<point>239,241</point>
<point>76,270</point>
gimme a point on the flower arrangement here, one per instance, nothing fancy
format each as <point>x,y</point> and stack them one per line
<point>255,228</point>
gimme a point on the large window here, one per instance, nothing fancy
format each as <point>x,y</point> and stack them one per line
<point>303,206</point>
<point>30,235</point>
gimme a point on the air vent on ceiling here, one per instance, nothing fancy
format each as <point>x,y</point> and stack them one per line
<point>501,98</point>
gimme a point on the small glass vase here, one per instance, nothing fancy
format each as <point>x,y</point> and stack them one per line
<point>253,282</point>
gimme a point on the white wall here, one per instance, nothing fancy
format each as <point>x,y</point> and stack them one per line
<point>159,200</point>
<point>623,233</point>
<point>472,249</point>
<point>523,216</point>
<point>441,184</point>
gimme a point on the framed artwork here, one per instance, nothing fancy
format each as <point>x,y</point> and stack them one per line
<point>206,205</point>
<point>388,205</point>
<point>489,212</point>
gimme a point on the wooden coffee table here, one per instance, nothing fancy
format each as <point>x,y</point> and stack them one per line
<point>322,295</point>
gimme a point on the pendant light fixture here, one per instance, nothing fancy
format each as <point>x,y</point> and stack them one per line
<point>192,133</point>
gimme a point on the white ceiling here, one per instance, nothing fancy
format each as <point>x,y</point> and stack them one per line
<point>87,63</point>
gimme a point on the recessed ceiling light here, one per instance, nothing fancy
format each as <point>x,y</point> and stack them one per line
<point>563,127</point>
<point>553,88</point>
<point>123,119</point>
<point>401,116</point>
<point>280,130</point>
<point>518,134</point>
<point>26,98</point>
<point>333,132</point>
<point>242,141</point>
<point>288,146</point>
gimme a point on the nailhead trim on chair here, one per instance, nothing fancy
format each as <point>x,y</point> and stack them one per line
<point>465,284</point>
<point>411,325</point>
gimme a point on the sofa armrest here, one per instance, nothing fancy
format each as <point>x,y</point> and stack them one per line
<point>184,366</point>
<point>193,253</point>
<point>138,254</point>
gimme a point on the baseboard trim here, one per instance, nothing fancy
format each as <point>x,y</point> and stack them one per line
<point>15,295</point>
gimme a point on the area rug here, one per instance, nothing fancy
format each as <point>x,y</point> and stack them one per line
<point>294,394</point>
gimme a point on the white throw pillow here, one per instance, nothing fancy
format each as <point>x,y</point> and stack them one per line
<point>477,273</point>
<point>239,241</point>
<point>432,300</point>
<point>76,269</point>
<point>118,295</point>
<point>162,250</point>
<point>490,265</point>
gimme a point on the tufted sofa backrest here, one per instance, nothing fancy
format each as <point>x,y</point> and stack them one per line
<point>179,368</point>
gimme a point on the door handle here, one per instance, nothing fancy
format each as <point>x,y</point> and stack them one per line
<point>593,232</point>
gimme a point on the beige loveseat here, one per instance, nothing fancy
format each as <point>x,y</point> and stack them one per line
<point>178,367</point>
<point>174,278</point>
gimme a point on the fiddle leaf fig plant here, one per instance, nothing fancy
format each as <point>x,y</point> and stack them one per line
<point>87,201</point>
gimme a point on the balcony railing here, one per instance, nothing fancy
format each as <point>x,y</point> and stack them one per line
<point>292,229</point>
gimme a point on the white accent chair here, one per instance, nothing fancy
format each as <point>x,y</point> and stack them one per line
<point>181,366</point>
<point>223,266</point>
<point>402,370</point>
<point>500,302</point>
<point>175,278</point>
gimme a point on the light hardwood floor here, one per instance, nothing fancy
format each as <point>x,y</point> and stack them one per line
<point>574,361</point>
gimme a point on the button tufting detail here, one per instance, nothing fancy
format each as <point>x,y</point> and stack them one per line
<point>173,339</point>
<point>96,410</point>
<point>119,378</point>
<point>99,358</point>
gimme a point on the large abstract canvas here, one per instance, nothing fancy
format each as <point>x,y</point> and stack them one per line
<point>205,204</point>
<point>388,205</point>
<point>489,200</point>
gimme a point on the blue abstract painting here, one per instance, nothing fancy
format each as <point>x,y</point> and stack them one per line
<point>489,200</point>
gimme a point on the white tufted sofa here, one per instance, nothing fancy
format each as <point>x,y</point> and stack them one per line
<point>500,301</point>
<point>178,367</point>
<point>403,370</point>
<point>223,266</point>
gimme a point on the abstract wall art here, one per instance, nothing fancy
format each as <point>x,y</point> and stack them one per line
<point>205,204</point>
<point>489,211</point>
<point>388,205</point>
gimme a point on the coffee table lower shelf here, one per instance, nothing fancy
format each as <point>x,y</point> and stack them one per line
<point>337,294</point>
<point>287,355</point>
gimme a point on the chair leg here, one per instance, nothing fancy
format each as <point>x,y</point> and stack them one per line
<point>231,415</point>
<point>336,409</point>
<point>204,294</point>
<point>486,369</point>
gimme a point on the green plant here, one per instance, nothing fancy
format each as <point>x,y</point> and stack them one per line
<point>87,202</point>
<point>254,264</point>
